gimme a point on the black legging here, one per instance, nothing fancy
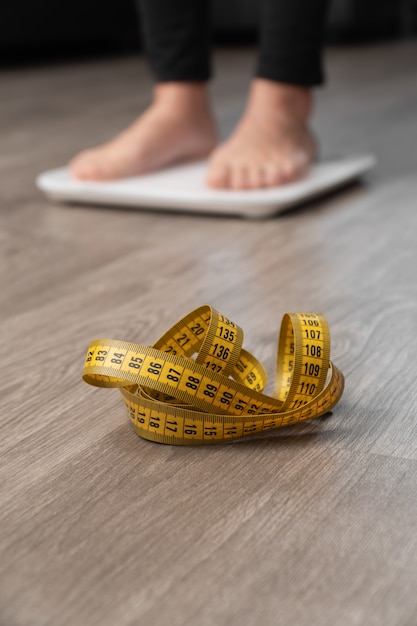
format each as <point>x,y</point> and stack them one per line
<point>177,39</point>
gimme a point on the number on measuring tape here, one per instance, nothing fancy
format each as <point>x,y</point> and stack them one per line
<point>216,397</point>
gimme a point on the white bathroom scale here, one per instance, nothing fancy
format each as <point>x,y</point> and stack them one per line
<point>182,188</point>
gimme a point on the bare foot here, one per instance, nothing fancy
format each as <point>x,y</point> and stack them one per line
<point>178,126</point>
<point>271,145</point>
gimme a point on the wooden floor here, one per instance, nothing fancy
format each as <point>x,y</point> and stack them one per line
<point>314,525</point>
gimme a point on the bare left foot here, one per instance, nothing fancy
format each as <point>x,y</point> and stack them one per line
<point>177,127</point>
<point>272,144</point>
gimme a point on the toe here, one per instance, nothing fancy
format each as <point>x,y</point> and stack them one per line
<point>256,177</point>
<point>86,167</point>
<point>79,167</point>
<point>289,172</point>
<point>273,175</point>
<point>218,176</point>
<point>295,168</point>
<point>239,177</point>
<point>286,170</point>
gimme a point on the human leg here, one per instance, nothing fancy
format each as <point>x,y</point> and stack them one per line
<point>178,124</point>
<point>272,143</point>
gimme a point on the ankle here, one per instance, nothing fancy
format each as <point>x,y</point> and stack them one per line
<point>182,97</point>
<point>272,97</point>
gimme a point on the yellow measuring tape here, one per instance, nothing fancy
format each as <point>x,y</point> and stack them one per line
<point>217,396</point>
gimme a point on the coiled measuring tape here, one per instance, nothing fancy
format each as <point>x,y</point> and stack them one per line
<point>217,396</point>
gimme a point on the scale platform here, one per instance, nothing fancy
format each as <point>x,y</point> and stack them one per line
<point>182,188</point>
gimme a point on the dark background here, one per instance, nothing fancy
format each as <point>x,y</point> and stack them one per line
<point>33,31</point>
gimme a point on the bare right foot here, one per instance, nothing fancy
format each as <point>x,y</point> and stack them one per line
<point>177,127</point>
<point>272,144</point>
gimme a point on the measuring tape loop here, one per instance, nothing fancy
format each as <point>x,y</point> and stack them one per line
<point>217,396</point>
